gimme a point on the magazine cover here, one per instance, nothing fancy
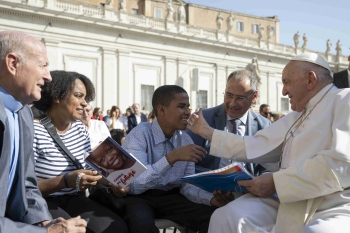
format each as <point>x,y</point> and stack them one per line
<point>114,163</point>
<point>224,179</point>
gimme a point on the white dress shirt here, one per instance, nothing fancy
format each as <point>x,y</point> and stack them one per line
<point>98,132</point>
<point>138,119</point>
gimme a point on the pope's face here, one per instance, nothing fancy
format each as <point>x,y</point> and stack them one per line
<point>295,86</point>
<point>107,155</point>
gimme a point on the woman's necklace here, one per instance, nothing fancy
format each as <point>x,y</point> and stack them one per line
<point>300,120</point>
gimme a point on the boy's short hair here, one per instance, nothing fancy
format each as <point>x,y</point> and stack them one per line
<point>164,95</point>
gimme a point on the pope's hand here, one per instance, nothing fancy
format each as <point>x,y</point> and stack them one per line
<point>198,125</point>
<point>261,186</point>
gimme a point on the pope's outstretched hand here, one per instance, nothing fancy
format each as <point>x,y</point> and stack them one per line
<point>198,125</point>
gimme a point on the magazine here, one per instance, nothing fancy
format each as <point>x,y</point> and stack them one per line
<point>224,179</point>
<point>114,163</point>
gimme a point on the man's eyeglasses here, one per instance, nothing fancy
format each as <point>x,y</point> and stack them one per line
<point>267,113</point>
<point>239,98</point>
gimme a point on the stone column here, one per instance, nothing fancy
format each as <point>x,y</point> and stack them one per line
<point>49,4</point>
<point>125,81</point>
<point>220,35</point>
<point>221,76</point>
<point>109,78</point>
<point>109,14</point>
<point>170,71</point>
<point>123,16</point>
<point>52,47</point>
<point>148,11</point>
<point>170,25</point>
<point>229,36</point>
<point>183,77</point>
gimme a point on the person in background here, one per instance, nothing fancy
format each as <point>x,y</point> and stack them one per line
<point>23,72</point>
<point>342,79</point>
<point>107,117</point>
<point>152,116</point>
<point>136,118</point>
<point>265,111</point>
<point>60,181</point>
<point>97,114</point>
<point>128,112</point>
<point>117,119</point>
<point>98,130</point>
<point>144,111</point>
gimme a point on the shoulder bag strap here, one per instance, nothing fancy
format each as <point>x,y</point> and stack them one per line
<point>46,122</point>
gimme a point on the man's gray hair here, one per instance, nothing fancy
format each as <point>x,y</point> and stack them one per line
<point>322,73</point>
<point>14,42</point>
<point>244,74</point>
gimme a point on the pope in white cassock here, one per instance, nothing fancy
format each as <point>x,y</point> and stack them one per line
<point>310,191</point>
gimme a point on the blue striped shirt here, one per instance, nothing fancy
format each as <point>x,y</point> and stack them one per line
<point>148,144</point>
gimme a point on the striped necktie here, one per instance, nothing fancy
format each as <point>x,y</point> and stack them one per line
<point>235,124</point>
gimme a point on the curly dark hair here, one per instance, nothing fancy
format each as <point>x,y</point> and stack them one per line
<point>61,86</point>
<point>117,135</point>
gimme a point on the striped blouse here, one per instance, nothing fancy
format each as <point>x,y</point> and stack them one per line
<point>50,162</point>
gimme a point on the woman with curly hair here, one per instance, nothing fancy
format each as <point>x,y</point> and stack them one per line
<point>59,180</point>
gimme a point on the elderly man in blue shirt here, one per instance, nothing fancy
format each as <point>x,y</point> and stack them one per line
<point>169,154</point>
<point>23,71</point>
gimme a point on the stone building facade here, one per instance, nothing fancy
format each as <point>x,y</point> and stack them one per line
<point>129,53</point>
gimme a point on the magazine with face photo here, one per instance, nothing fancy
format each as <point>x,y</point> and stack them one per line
<point>114,163</point>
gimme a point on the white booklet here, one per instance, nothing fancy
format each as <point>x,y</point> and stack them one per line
<point>114,163</point>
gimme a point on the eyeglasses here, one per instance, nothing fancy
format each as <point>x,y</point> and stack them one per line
<point>239,98</point>
<point>267,113</point>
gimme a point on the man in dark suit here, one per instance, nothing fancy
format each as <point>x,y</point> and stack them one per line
<point>233,116</point>
<point>342,78</point>
<point>136,118</point>
<point>23,70</point>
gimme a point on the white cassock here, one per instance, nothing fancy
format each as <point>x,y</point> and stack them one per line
<point>313,194</point>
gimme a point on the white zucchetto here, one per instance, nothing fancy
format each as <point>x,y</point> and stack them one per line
<point>313,58</point>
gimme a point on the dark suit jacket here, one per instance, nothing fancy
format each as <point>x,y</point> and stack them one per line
<point>132,123</point>
<point>25,203</point>
<point>216,118</point>
<point>340,79</point>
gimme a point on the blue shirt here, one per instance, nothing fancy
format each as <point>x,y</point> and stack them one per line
<point>148,144</point>
<point>12,106</point>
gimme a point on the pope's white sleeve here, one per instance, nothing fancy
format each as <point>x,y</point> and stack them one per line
<point>238,148</point>
<point>317,177</point>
